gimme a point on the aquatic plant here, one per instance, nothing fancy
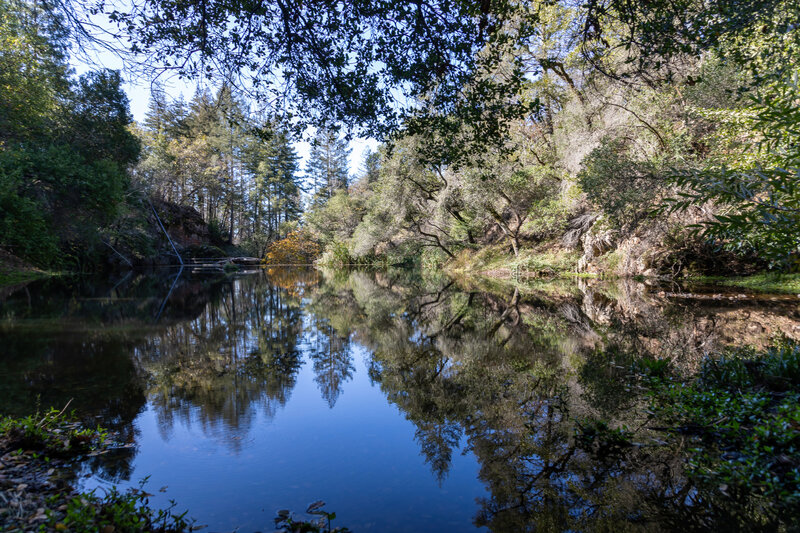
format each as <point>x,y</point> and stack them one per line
<point>289,524</point>
<point>742,416</point>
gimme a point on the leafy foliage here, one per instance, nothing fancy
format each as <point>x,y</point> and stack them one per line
<point>54,433</point>
<point>760,199</point>
<point>57,434</point>
<point>359,63</point>
<point>622,186</point>
<point>65,148</point>
<point>753,177</point>
<point>127,512</point>
<point>743,412</point>
<point>297,248</point>
<point>762,209</point>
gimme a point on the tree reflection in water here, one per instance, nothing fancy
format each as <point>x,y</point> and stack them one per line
<point>240,353</point>
<point>521,381</point>
<point>524,381</point>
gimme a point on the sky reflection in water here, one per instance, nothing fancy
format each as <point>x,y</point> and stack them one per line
<point>406,404</point>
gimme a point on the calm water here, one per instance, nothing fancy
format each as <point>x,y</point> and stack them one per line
<point>406,404</point>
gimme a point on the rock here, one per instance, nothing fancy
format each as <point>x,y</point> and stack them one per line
<point>184,224</point>
<point>595,244</point>
<point>246,260</point>
<point>755,327</point>
<point>576,228</point>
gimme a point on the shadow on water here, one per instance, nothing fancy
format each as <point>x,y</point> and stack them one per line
<point>516,380</point>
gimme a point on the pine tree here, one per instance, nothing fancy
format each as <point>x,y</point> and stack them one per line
<point>238,170</point>
<point>274,192</point>
<point>156,117</point>
<point>327,166</point>
<point>371,166</point>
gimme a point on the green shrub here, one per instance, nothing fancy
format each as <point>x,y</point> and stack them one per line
<point>120,512</point>
<point>623,187</point>
<point>743,413</point>
<point>24,231</point>
<point>53,433</point>
<point>217,233</point>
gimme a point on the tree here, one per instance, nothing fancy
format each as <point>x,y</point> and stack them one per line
<point>507,190</point>
<point>360,63</point>
<point>100,117</point>
<point>33,70</point>
<point>274,193</point>
<point>239,171</point>
<point>327,167</point>
<point>754,184</point>
<point>371,166</point>
<point>65,147</point>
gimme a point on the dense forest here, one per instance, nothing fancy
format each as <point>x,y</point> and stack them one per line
<point>213,155</point>
<point>654,138</point>
<point>655,146</point>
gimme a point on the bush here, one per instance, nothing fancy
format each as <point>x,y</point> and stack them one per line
<point>742,413</point>
<point>621,186</point>
<point>337,255</point>
<point>25,231</point>
<point>297,248</point>
<point>205,251</point>
<point>217,233</point>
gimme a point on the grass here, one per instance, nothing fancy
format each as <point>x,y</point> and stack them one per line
<point>765,282</point>
<point>15,277</point>
<point>54,434</point>
<point>543,263</point>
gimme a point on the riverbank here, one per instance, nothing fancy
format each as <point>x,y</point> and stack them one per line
<point>495,262</point>
<point>538,266</point>
<point>764,282</point>
<point>38,459</point>
<point>14,271</point>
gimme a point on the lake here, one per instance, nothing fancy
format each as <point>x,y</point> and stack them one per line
<point>406,403</point>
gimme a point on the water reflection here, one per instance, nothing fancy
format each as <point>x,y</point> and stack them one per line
<point>514,380</point>
<point>236,354</point>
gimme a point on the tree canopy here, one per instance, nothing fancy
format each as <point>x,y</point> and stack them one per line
<point>361,63</point>
<point>65,148</point>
